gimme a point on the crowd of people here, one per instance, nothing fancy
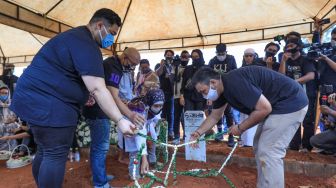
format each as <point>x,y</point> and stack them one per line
<point>68,78</point>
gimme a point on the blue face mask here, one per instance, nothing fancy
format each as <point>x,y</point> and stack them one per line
<point>108,40</point>
<point>3,98</point>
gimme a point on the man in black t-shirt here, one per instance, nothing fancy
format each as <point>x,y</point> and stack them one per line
<point>98,121</point>
<point>327,65</point>
<point>223,63</point>
<point>276,102</point>
<point>302,70</point>
<point>164,70</point>
<point>269,61</point>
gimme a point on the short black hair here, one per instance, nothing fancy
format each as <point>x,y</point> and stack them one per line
<point>204,75</point>
<point>107,15</point>
<point>333,32</point>
<point>144,61</point>
<point>272,44</point>
<point>171,51</point>
<point>184,52</point>
<point>298,35</point>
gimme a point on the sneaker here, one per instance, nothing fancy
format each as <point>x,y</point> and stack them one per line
<point>231,141</point>
<point>109,177</point>
<point>219,138</point>
<point>304,150</point>
<point>176,141</point>
<point>77,156</point>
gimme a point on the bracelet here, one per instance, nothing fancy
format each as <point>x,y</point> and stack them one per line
<point>199,134</point>
<point>122,117</point>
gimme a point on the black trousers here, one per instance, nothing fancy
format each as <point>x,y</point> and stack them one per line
<point>167,112</point>
<point>178,118</point>
<point>192,105</point>
<point>308,128</point>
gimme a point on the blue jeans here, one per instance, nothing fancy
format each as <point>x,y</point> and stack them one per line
<point>53,144</point>
<point>100,144</point>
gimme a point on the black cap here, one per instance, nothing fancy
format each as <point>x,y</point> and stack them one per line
<point>220,48</point>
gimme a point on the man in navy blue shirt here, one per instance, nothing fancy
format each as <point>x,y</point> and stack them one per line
<point>275,102</point>
<point>52,89</point>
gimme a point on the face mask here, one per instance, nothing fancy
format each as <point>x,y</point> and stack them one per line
<point>108,40</point>
<point>212,95</point>
<point>221,57</point>
<point>269,54</point>
<point>184,63</point>
<point>169,59</point>
<point>292,51</point>
<point>145,70</point>
<point>333,43</point>
<point>155,110</point>
<point>3,98</point>
<point>197,62</point>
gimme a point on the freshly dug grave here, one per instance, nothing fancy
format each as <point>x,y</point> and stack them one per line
<point>79,175</point>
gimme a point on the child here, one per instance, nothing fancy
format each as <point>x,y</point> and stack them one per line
<point>154,99</point>
<point>8,124</point>
<point>134,144</point>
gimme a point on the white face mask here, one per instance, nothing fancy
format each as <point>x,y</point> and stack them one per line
<point>156,110</point>
<point>212,95</point>
<point>221,57</point>
<point>333,43</point>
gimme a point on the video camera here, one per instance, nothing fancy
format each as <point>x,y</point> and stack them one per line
<point>315,50</point>
<point>279,38</point>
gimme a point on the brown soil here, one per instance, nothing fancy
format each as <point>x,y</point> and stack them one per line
<point>78,175</point>
<point>221,148</point>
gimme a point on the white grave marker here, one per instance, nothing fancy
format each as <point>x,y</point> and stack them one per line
<point>192,120</point>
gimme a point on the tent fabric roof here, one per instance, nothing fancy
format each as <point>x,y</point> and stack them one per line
<point>161,24</point>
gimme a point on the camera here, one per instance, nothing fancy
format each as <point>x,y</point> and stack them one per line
<point>279,38</point>
<point>315,50</point>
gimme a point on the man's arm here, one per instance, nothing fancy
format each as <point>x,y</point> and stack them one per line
<point>262,109</point>
<point>211,120</point>
<point>133,116</point>
<point>97,88</point>
<point>282,68</point>
<point>330,62</point>
<point>306,78</point>
<point>159,70</point>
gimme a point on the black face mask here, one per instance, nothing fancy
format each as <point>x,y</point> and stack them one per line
<point>146,70</point>
<point>169,59</point>
<point>184,63</point>
<point>197,62</point>
<point>8,72</point>
<point>269,54</point>
<point>292,51</point>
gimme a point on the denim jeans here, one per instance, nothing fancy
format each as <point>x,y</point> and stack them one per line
<point>53,144</point>
<point>100,144</point>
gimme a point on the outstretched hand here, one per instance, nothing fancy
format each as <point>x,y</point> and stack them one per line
<point>126,127</point>
<point>193,137</point>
